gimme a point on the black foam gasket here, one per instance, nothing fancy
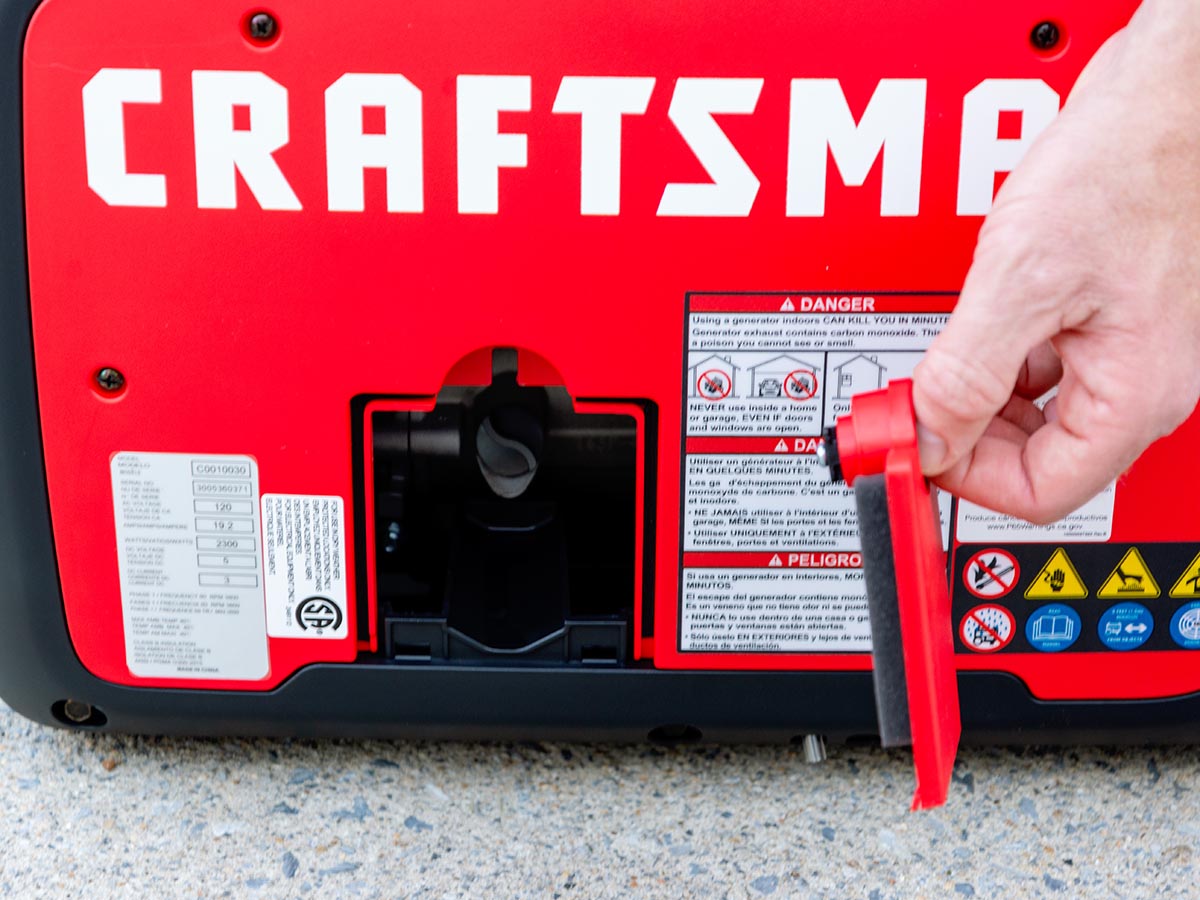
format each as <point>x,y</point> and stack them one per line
<point>887,648</point>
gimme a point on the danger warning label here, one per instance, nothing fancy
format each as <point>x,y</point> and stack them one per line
<point>771,557</point>
<point>754,502</point>
<point>757,610</point>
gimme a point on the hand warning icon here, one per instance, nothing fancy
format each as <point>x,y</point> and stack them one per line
<point>1058,579</point>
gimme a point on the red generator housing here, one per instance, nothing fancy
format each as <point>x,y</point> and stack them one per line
<point>457,369</point>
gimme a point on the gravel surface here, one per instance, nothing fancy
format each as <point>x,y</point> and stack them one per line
<point>94,816</point>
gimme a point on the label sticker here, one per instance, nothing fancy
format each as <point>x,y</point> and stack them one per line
<point>1053,628</point>
<point>767,610</point>
<point>1057,580</point>
<point>188,556</point>
<point>1091,523</point>
<point>1188,584</point>
<point>771,552</point>
<point>1130,579</point>
<point>1125,626</point>
<point>991,573</point>
<point>1131,591</point>
<point>1185,626</point>
<point>986,629</point>
<point>305,566</point>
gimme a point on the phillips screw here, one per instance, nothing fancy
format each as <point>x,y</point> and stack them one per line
<point>261,27</point>
<point>1045,35</point>
<point>110,380</point>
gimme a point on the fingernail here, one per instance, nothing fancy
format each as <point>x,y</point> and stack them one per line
<point>932,449</point>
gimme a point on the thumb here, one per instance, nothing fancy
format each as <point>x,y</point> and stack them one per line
<point>970,370</point>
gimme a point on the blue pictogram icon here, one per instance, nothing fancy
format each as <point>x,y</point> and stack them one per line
<point>1185,626</point>
<point>1125,626</point>
<point>1053,628</point>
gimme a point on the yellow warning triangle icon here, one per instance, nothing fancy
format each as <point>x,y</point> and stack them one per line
<point>1188,585</point>
<point>1130,579</point>
<point>1058,580</point>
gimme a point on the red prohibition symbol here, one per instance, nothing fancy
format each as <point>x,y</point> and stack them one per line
<point>991,573</point>
<point>714,384</point>
<point>986,628</point>
<point>801,384</point>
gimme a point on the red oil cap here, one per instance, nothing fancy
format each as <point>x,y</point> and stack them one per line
<point>879,438</point>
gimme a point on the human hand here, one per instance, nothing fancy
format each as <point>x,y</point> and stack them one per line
<point>1086,276</point>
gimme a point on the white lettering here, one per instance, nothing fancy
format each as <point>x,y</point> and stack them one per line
<point>223,151</point>
<point>104,99</point>
<point>241,118</point>
<point>733,186</point>
<point>398,150</point>
<point>601,102</point>
<point>482,149</point>
<point>983,153</point>
<point>837,304</point>
<point>892,124</point>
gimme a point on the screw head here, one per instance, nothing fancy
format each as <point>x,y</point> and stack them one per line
<point>110,380</point>
<point>1045,35</point>
<point>261,26</point>
<point>77,711</point>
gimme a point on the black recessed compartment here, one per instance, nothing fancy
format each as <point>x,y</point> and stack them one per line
<point>505,528</point>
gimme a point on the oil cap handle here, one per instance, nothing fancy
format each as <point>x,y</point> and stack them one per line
<point>874,449</point>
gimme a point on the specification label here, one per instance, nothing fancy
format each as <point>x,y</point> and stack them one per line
<point>190,564</point>
<point>771,552</point>
<point>305,566</point>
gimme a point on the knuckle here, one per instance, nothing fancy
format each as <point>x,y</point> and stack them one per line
<point>1050,498</point>
<point>1035,257</point>
<point>1016,229</point>
<point>958,389</point>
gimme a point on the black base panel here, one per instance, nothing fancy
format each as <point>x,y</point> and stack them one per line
<point>360,701</point>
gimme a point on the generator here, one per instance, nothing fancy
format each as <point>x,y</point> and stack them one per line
<point>459,370</point>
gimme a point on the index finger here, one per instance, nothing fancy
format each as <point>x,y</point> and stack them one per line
<point>1044,476</point>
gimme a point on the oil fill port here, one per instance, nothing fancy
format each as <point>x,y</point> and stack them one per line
<point>505,524</point>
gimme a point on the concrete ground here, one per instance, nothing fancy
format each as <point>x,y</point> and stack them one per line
<point>93,817</point>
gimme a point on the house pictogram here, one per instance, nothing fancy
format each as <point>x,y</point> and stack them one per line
<point>713,378</point>
<point>857,374</point>
<point>769,378</point>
